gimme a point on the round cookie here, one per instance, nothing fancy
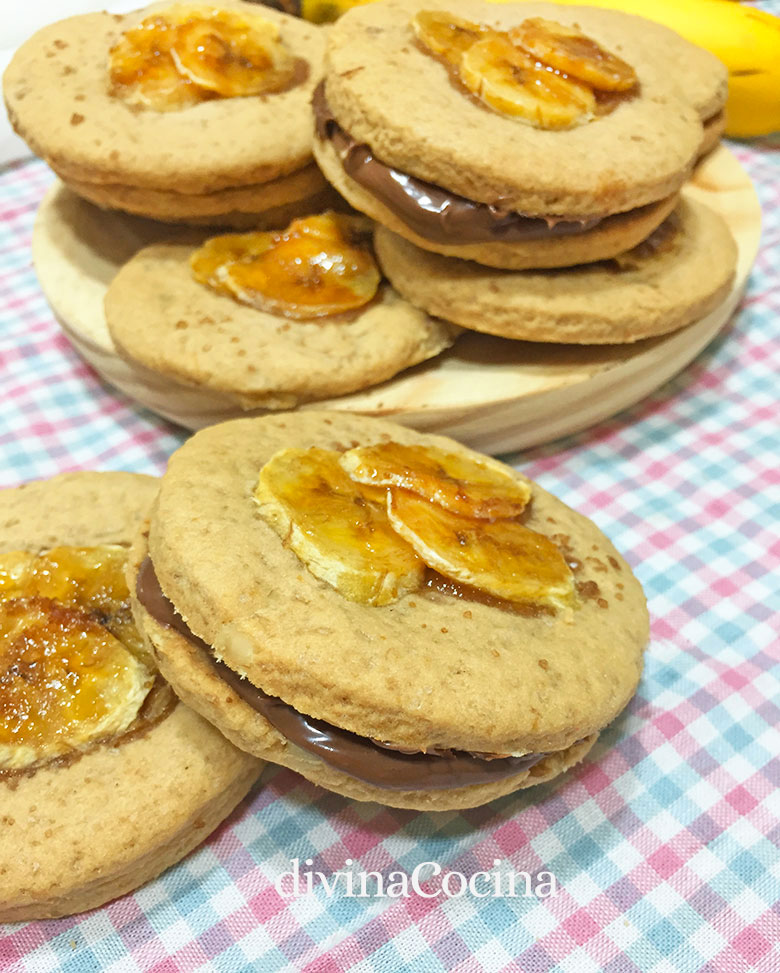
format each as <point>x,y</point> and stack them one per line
<point>161,317</point>
<point>638,154</point>
<point>80,831</point>
<point>682,272</point>
<point>57,95</point>
<point>427,672</point>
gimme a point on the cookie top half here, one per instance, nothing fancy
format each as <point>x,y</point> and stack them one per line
<point>425,671</point>
<point>75,509</point>
<point>58,95</point>
<point>387,92</point>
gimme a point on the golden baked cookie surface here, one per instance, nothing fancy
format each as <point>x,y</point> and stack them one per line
<point>424,670</point>
<point>260,356</point>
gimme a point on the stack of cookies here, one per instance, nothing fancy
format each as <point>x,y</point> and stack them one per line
<point>524,163</point>
<point>179,112</point>
<point>198,115</point>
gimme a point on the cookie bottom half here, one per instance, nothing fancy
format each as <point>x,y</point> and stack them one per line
<point>680,274</point>
<point>261,206</point>
<point>227,703</point>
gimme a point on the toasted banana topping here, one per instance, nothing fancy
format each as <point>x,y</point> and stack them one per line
<point>188,53</point>
<point>341,535</point>
<point>317,267</point>
<point>370,520</point>
<point>502,558</point>
<point>568,50</point>
<point>70,672</point>
<point>470,487</point>
<point>513,83</point>
<point>541,72</point>
<point>445,34</point>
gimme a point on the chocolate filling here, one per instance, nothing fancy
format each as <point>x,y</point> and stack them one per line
<point>374,763</point>
<point>430,211</point>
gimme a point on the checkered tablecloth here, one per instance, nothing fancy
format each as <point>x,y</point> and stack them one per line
<point>663,844</point>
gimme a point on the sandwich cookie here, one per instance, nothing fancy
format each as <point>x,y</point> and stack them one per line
<point>135,112</point>
<point>679,274</point>
<point>488,153</point>
<point>390,614</point>
<point>107,778</point>
<point>271,320</point>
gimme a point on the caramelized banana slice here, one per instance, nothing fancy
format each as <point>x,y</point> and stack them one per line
<point>142,71</point>
<point>318,266</point>
<point>567,49</point>
<point>342,536</point>
<point>65,681</point>
<point>89,578</point>
<point>446,35</point>
<point>233,55</point>
<point>466,486</point>
<point>502,558</point>
<point>187,53</point>
<point>514,83</point>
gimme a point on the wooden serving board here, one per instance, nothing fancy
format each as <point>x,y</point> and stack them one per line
<point>491,393</point>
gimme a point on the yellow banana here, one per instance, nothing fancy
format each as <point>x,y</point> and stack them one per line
<point>745,39</point>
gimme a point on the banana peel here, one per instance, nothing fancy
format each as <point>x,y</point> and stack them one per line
<point>745,39</point>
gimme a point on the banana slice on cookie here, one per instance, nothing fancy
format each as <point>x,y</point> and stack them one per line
<point>67,681</point>
<point>186,54</point>
<point>73,663</point>
<point>340,533</point>
<point>319,266</point>
<point>566,49</point>
<point>473,488</point>
<point>370,520</point>
<point>446,35</point>
<point>88,578</point>
<point>233,56</point>
<point>515,83</point>
<point>503,558</point>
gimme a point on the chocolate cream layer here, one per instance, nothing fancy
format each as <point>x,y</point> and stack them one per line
<point>374,763</point>
<point>434,213</point>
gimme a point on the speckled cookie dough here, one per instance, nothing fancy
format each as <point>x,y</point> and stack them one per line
<point>428,671</point>
<point>160,316</point>
<point>57,94</point>
<point>683,271</point>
